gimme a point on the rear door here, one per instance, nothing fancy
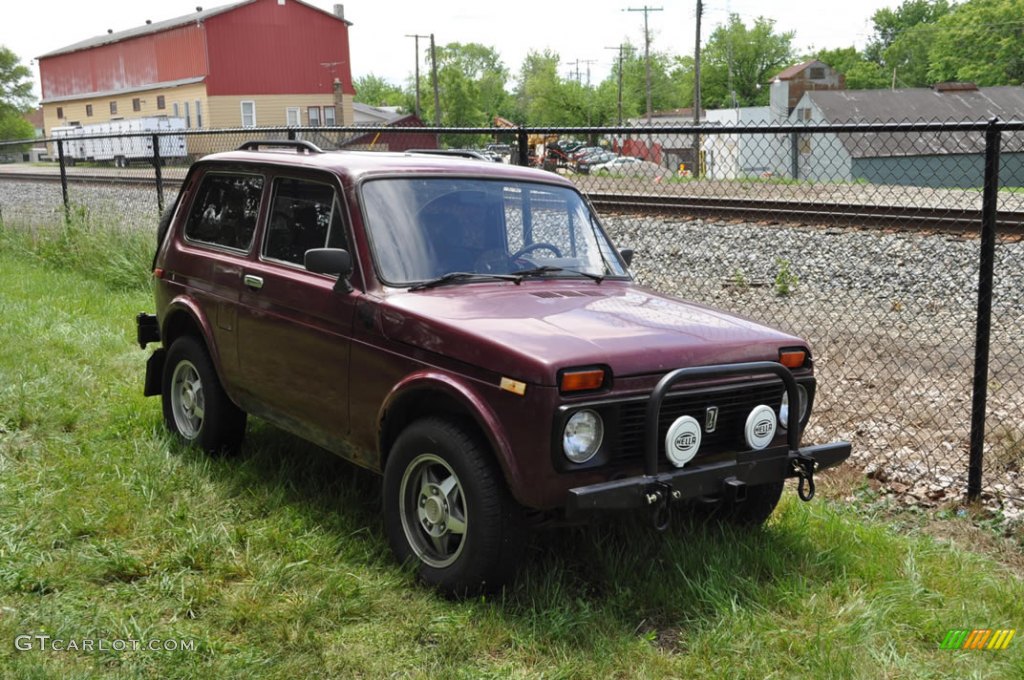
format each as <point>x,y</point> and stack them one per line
<point>294,338</point>
<point>209,259</point>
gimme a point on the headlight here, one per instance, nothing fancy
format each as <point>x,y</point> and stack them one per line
<point>784,408</point>
<point>582,436</point>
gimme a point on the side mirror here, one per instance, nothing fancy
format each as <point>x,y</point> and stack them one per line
<point>627,255</point>
<point>333,261</point>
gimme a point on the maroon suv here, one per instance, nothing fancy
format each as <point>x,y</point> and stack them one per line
<point>468,330</point>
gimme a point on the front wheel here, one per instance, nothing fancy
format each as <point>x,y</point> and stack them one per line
<point>194,403</point>
<point>447,509</point>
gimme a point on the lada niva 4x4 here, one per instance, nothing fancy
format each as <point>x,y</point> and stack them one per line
<point>467,330</point>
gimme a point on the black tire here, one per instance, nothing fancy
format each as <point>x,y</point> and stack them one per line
<point>751,512</point>
<point>447,510</point>
<point>194,403</point>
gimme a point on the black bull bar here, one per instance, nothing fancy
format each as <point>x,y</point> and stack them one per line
<point>732,477</point>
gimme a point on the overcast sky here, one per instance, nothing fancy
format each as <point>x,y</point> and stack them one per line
<point>576,29</point>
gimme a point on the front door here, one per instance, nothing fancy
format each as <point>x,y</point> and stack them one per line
<point>294,330</point>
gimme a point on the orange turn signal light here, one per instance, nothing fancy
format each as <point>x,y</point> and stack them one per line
<point>792,358</point>
<point>586,379</point>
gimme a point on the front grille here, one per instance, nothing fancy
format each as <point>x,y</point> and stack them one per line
<point>734,402</point>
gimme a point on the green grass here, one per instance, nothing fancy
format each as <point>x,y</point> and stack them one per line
<point>274,563</point>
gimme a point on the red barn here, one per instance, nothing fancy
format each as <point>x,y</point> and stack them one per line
<point>253,63</point>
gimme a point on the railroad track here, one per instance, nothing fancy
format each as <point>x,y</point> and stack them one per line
<point>837,214</point>
<point>959,220</point>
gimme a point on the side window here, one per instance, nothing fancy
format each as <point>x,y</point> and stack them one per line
<point>225,210</point>
<point>303,215</point>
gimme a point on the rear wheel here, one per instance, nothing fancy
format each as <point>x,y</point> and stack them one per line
<point>194,403</point>
<point>447,509</point>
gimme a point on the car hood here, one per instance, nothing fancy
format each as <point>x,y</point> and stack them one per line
<point>531,331</point>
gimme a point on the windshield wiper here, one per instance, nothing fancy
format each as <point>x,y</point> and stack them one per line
<point>452,277</point>
<point>548,269</point>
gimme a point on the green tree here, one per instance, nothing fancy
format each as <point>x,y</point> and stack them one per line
<point>541,94</point>
<point>542,97</point>
<point>471,82</point>
<point>739,62</point>
<point>861,73</point>
<point>665,93</point>
<point>376,91</point>
<point>903,38</point>
<point>15,97</point>
<point>994,32</point>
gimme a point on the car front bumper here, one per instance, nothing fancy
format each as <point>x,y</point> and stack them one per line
<point>727,478</point>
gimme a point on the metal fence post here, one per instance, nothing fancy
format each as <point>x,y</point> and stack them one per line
<point>158,171</point>
<point>64,180</point>
<point>986,266</point>
<point>523,146</point>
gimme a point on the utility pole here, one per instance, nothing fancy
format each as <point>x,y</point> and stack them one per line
<point>417,37</point>
<point>696,94</point>
<point>621,49</point>
<point>588,62</point>
<point>433,69</point>
<point>647,52</point>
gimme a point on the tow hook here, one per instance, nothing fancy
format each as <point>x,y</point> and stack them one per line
<point>803,466</point>
<point>658,497</point>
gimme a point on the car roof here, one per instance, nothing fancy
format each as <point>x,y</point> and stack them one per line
<point>358,165</point>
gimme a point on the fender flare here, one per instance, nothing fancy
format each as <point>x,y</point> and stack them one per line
<point>184,305</point>
<point>431,380</point>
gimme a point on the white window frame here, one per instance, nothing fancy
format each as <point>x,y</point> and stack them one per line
<point>252,114</point>
<point>293,116</point>
<point>330,120</point>
<point>319,117</point>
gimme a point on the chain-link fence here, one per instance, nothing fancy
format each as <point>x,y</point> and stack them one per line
<point>868,240</point>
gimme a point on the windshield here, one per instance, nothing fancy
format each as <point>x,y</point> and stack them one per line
<point>424,228</point>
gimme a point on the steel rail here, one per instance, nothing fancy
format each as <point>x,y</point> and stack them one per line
<point>868,215</point>
<point>803,212</point>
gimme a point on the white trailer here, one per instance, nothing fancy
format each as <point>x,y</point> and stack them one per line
<point>121,141</point>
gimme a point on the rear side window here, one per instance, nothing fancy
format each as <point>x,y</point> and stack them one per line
<point>225,210</point>
<point>303,215</point>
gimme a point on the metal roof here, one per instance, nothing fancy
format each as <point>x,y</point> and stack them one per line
<point>792,71</point>
<point>146,29</point>
<point>916,105</point>
<point>167,24</point>
<point>382,116</point>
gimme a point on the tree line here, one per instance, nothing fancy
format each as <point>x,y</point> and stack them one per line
<point>917,44</point>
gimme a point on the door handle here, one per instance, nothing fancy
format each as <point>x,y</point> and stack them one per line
<point>254,282</point>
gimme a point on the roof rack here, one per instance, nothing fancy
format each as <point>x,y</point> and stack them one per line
<point>459,153</point>
<point>297,145</point>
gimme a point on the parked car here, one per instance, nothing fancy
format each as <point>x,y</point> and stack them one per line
<point>586,151</point>
<point>468,331</point>
<point>584,164</point>
<point>616,165</point>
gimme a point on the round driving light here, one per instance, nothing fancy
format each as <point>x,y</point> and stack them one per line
<point>582,436</point>
<point>760,428</point>
<point>682,440</point>
<point>784,408</point>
